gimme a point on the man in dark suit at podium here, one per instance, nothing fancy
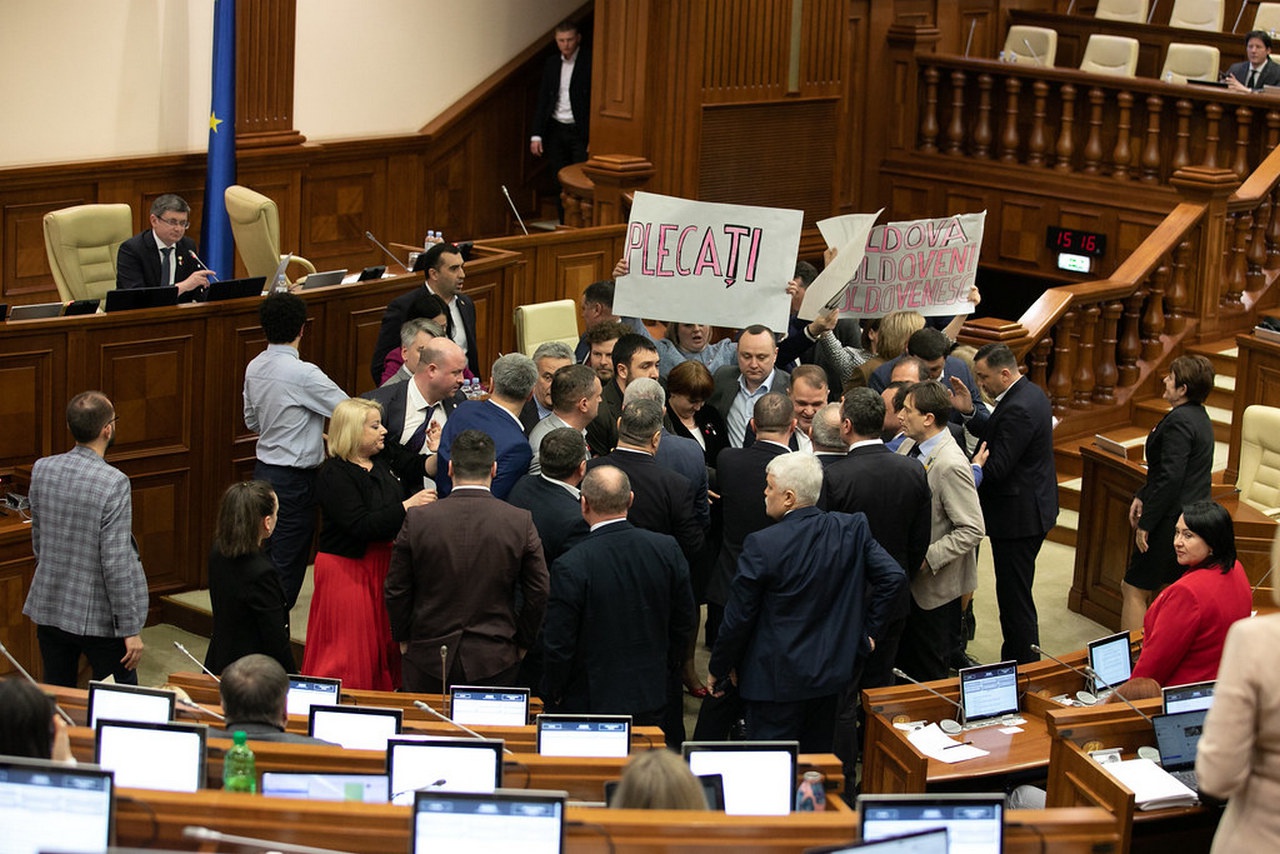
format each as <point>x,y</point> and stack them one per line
<point>163,256</point>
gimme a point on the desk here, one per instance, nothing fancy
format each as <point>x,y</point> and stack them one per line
<point>1257,381</point>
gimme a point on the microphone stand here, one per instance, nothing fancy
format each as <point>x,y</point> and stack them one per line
<point>182,649</point>
<point>950,727</point>
<point>517,213</point>
<point>390,254</point>
<point>427,708</point>
<point>18,666</point>
<point>1085,697</point>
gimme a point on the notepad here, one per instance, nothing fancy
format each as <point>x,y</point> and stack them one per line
<point>1153,787</point>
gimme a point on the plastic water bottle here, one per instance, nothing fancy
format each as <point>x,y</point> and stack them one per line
<point>239,770</point>
<point>811,794</point>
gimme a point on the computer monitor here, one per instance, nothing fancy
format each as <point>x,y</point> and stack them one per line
<point>526,820</point>
<point>235,289</point>
<point>476,706</point>
<point>355,727</point>
<point>46,806</point>
<point>324,280</point>
<point>368,788</point>
<point>1110,658</point>
<point>925,842</point>
<point>1177,737</point>
<point>36,311</point>
<point>168,756</point>
<point>989,691</point>
<point>109,701</point>
<point>759,776</point>
<point>974,822</point>
<point>444,764</point>
<point>584,735</point>
<point>1187,698</point>
<point>128,299</point>
<point>308,691</point>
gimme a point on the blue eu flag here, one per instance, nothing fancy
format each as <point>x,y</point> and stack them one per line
<point>215,234</point>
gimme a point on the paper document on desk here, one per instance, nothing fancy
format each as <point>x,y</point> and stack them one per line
<point>936,744</point>
<point>1153,787</point>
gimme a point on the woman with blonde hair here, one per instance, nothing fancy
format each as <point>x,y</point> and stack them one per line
<point>362,507</point>
<point>658,780</point>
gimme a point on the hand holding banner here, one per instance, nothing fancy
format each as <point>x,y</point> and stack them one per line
<point>848,234</point>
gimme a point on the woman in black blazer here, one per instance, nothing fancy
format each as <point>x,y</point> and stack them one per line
<point>249,609</point>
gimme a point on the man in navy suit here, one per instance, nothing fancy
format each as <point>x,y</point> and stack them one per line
<point>811,594</point>
<point>499,417</point>
<point>163,256</point>
<point>445,276</point>
<point>552,494</point>
<point>1019,491</point>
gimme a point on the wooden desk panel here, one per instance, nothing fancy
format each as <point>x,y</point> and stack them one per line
<point>1257,381</point>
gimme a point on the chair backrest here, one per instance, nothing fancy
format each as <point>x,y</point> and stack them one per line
<point>1114,55</point>
<point>1032,45</point>
<point>255,223</point>
<point>1134,11</point>
<point>1267,18</point>
<point>1190,62</point>
<point>1197,15</point>
<point>82,243</point>
<point>1259,478</point>
<point>546,321</point>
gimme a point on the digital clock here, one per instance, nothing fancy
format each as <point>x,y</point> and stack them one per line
<point>1075,242</point>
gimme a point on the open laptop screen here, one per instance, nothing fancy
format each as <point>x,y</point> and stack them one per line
<point>152,756</point>
<point>927,842</point>
<point>1110,659</point>
<point>443,764</point>
<point>308,691</point>
<point>49,807</point>
<point>369,788</point>
<point>1187,698</point>
<point>974,822</point>
<point>1177,736</point>
<point>110,701</point>
<point>584,735</point>
<point>759,776</point>
<point>355,727</point>
<point>512,819</point>
<point>989,691</point>
<point>475,706</point>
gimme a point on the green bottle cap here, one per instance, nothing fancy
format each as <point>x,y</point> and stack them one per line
<point>239,737</point>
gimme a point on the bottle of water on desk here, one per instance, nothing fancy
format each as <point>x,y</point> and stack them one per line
<point>239,770</point>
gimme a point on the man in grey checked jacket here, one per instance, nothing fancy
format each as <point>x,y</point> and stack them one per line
<point>89,593</point>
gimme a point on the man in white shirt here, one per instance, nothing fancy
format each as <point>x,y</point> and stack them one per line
<point>163,256</point>
<point>563,115</point>
<point>738,387</point>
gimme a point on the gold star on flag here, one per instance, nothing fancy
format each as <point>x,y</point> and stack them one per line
<point>214,121</point>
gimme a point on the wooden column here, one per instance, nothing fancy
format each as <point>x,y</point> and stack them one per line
<point>1211,187</point>
<point>614,175</point>
<point>265,36</point>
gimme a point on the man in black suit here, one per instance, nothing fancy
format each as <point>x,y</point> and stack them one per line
<point>1019,491</point>
<point>163,256</point>
<point>552,494</point>
<point>562,118</point>
<point>445,276</point>
<point>549,357</point>
<point>633,356</point>
<point>737,388</point>
<point>1257,70</point>
<point>619,615</point>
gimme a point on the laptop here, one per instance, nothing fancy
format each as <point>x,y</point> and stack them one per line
<point>36,311</point>
<point>285,260</point>
<point>355,727</point>
<point>107,700</point>
<point>989,694</point>
<point>324,280</point>
<point>234,289</point>
<point>476,706</point>
<point>759,776</point>
<point>371,273</point>
<point>584,735</point>
<point>4,311</point>
<point>1110,658</point>
<point>128,299</point>
<point>78,307</point>
<point>170,756</point>
<point>366,788</point>
<point>524,820</point>
<point>308,691</point>
<point>45,806</point>
<point>1177,736</point>
<point>974,822</point>
<point>444,764</point>
<point>925,842</point>
<point>1187,698</point>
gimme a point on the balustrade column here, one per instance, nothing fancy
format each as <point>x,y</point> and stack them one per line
<point>1082,382</point>
<point>1151,151</point>
<point>929,121</point>
<point>1038,143</point>
<point>1175,301</point>
<point>1273,232</point>
<point>1093,147</point>
<point>1182,148</point>
<point>1213,126</point>
<point>955,128</point>
<point>1038,363</point>
<point>1257,252</point>
<point>1009,132</point>
<point>1129,347</point>
<point>1122,154</point>
<point>1060,379</point>
<point>1106,373</point>
<point>1244,123</point>
<point>1153,317</point>
<point>982,130</point>
<point>1239,265</point>
<point>1066,148</point>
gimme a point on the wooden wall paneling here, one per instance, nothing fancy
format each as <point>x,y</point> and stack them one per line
<point>446,196</point>
<point>24,268</point>
<point>620,75</point>
<point>166,520</point>
<point>673,127</point>
<point>17,566</point>
<point>31,404</point>
<point>265,37</point>
<point>748,45</point>
<point>402,207</point>
<point>823,44</point>
<point>852,119</point>
<point>905,195</point>
<point>1257,381</point>
<point>340,201</point>
<point>149,378</point>
<point>1021,228</point>
<point>147,189</point>
<point>284,186</point>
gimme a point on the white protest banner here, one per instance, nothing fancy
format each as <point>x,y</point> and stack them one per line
<point>848,234</point>
<point>699,262</point>
<point>926,265</point>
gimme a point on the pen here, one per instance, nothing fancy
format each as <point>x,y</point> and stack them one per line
<point>957,744</point>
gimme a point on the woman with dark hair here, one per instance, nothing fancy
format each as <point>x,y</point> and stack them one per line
<point>1186,626</point>
<point>250,613</point>
<point>29,725</point>
<point>1179,468</point>
<point>427,306</point>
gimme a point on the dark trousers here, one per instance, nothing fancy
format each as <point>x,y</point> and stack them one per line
<point>60,655</point>
<point>874,670</point>
<point>810,722</point>
<point>1015,566</point>
<point>562,145</point>
<point>289,546</point>
<point>928,642</point>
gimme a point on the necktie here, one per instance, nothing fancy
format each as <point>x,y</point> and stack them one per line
<point>419,437</point>
<point>166,278</point>
<point>1253,78</point>
<point>914,453</point>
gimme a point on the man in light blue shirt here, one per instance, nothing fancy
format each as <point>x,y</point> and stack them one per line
<point>738,387</point>
<point>286,402</point>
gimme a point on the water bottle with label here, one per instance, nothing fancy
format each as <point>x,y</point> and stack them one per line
<point>811,794</point>
<point>239,770</point>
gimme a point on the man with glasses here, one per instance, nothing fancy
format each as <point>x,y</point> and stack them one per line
<point>163,256</point>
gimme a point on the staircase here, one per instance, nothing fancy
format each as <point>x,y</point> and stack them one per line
<point>1146,414</point>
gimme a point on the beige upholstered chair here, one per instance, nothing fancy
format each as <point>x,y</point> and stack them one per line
<point>1190,62</point>
<point>1134,11</point>
<point>1267,18</point>
<point>1259,478</point>
<point>1114,55</point>
<point>82,243</point>
<point>546,321</point>
<point>1197,15</point>
<point>255,223</point>
<point>1032,45</point>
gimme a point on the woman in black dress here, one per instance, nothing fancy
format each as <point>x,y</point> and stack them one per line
<point>249,609</point>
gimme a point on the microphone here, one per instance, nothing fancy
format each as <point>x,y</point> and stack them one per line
<point>1034,55</point>
<point>969,42</point>
<point>1098,680</point>
<point>427,708</point>
<point>1085,697</point>
<point>948,726</point>
<point>444,691</point>
<point>214,277</point>
<point>517,213</point>
<point>390,254</point>
<point>18,666</point>
<point>1264,577</point>
<point>1156,3</point>
<point>1240,15</point>
<point>205,834</point>
<point>182,649</point>
<point>1071,7</point>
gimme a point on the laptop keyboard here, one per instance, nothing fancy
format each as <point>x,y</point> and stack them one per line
<point>1187,778</point>
<point>1008,720</point>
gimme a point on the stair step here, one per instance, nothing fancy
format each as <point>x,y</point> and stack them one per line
<point>1222,353</point>
<point>1149,412</point>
